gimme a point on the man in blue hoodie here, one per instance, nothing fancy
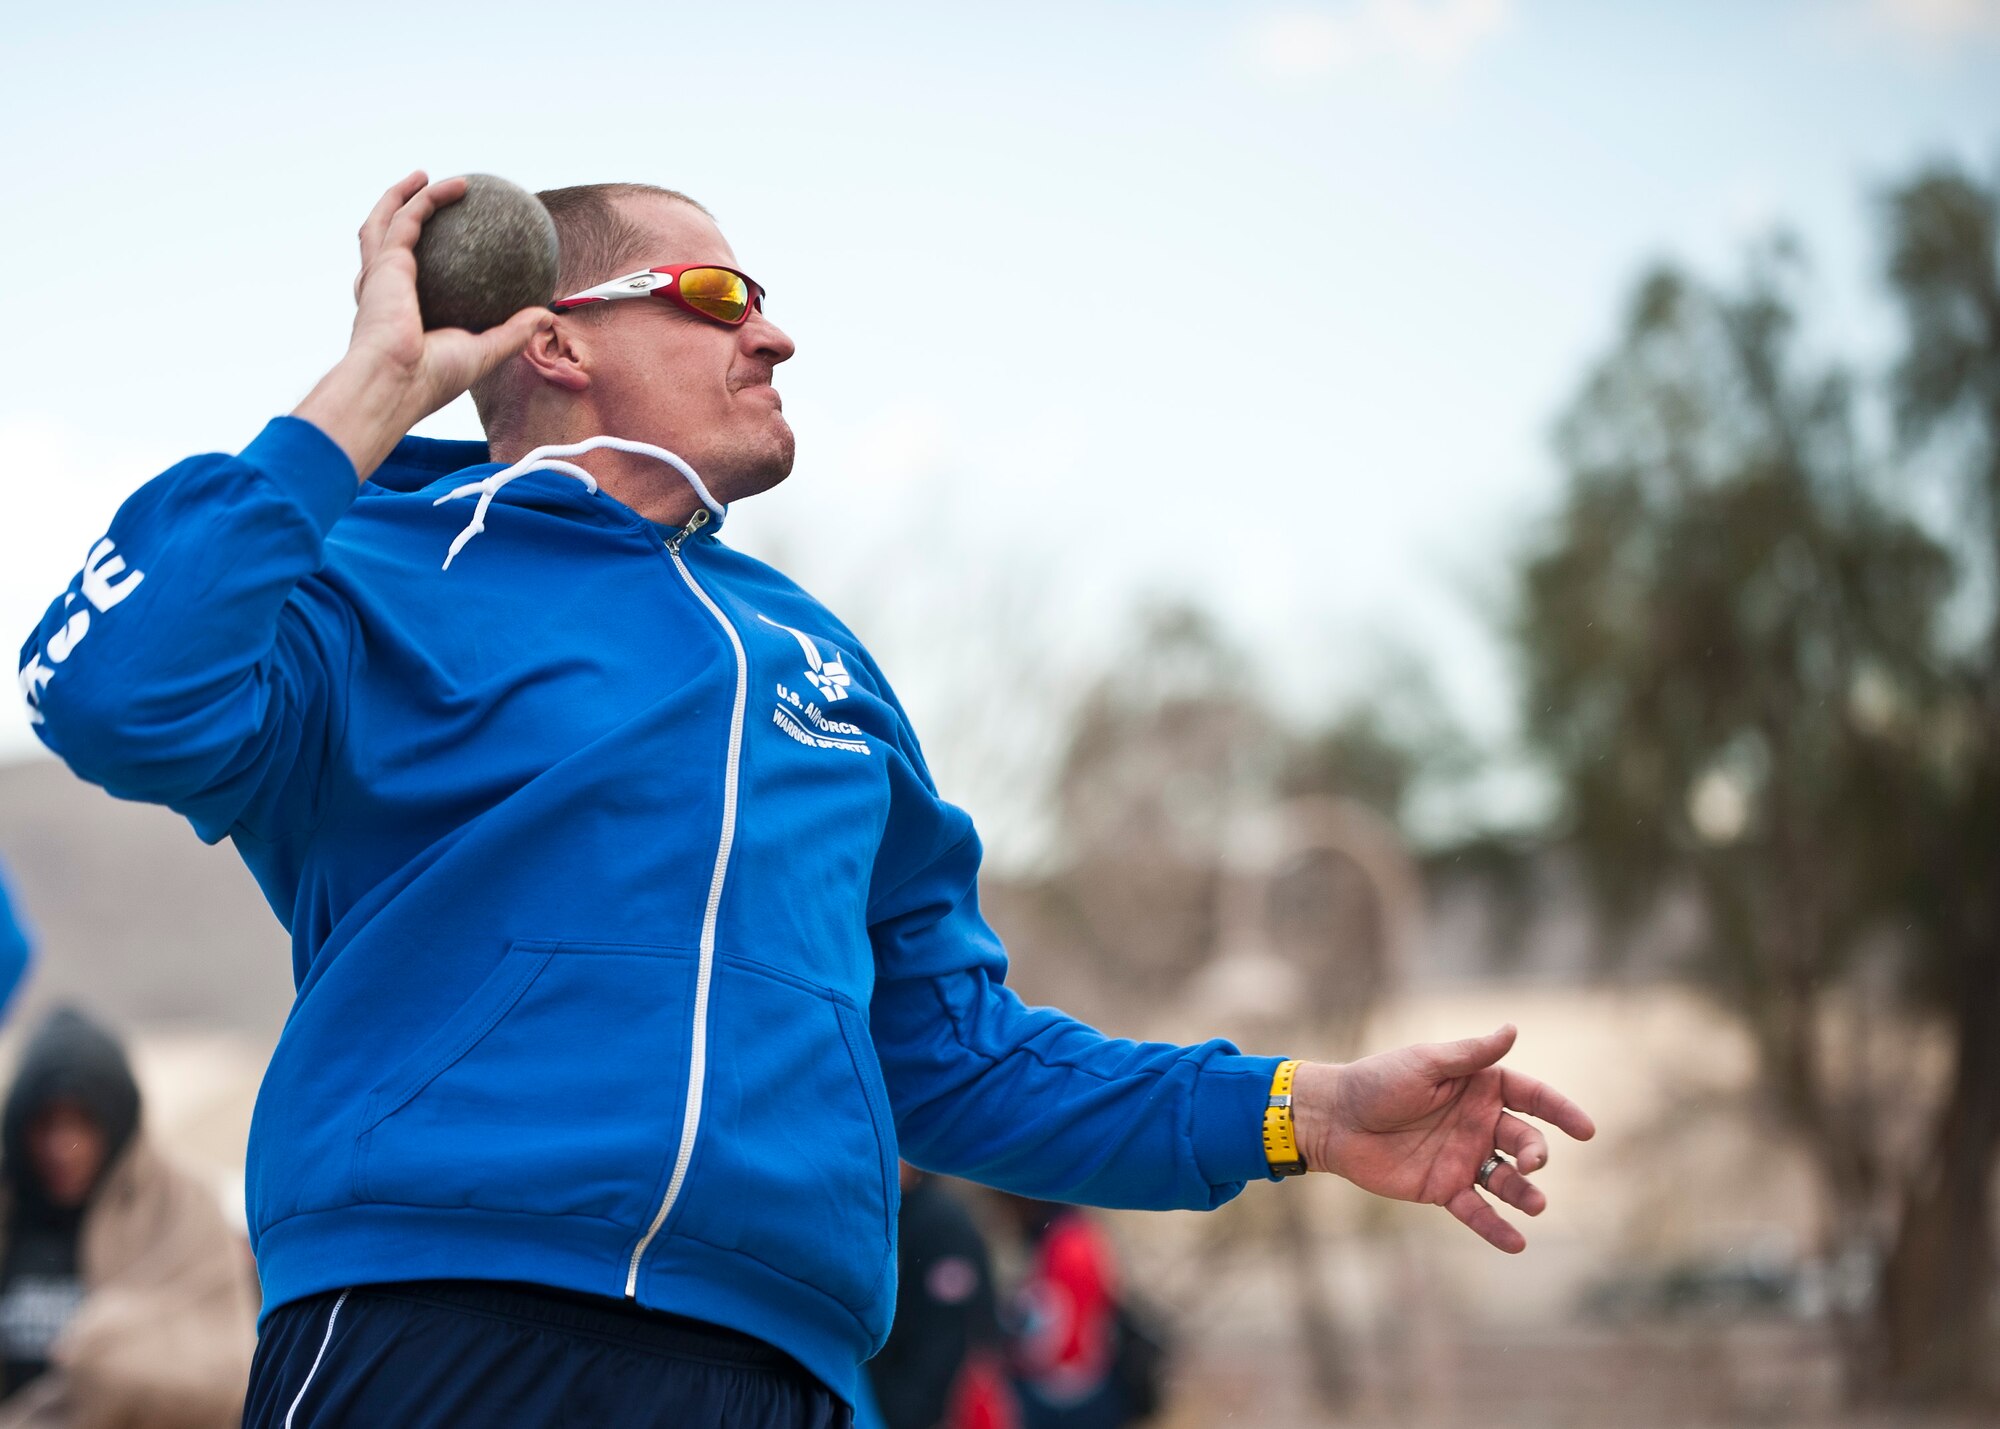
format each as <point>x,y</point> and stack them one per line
<point>632,939</point>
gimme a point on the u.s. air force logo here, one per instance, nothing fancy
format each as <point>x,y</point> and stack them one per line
<point>800,716</point>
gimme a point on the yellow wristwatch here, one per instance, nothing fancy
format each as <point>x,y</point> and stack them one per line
<point>1281,1136</point>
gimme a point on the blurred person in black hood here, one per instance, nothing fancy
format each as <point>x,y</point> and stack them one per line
<point>73,1109</point>
<point>123,1295</point>
<point>942,1367</point>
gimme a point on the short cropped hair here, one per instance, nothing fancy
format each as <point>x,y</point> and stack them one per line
<point>598,241</point>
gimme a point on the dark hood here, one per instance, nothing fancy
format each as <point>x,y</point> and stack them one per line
<point>71,1058</point>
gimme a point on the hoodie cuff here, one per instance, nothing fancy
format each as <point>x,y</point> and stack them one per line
<point>1229,1102</point>
<point>306,464</point>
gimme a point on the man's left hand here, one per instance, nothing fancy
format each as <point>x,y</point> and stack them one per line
<point>1416,1124</point>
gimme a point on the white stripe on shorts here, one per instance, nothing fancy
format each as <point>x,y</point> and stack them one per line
<point>324,1342</point>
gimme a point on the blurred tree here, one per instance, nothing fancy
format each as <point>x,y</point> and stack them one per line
<point>1944,267</point>
<point>1360,755</point>
<point>1176,764</point>
<point>1212,854</point>
<point>1387,750</point>
<point>1730,643</point>
<point>1171,742</point>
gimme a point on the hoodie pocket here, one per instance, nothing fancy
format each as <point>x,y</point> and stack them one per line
<point>797,1166</point>
<point>558,1087</point>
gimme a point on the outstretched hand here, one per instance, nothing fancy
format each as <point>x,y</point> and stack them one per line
<point>395,373</point>
<point>1416,1124</point>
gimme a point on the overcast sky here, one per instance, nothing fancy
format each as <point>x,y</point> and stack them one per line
<point>1345,262</point>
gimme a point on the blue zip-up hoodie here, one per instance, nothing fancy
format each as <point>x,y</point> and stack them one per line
<point>632,940</point>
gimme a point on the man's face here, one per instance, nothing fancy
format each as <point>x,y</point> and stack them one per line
<point>66,1147</point>
<point>695,387</point>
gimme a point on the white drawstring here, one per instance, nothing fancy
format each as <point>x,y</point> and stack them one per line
<point>544,459</point>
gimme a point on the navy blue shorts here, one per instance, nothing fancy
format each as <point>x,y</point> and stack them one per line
<point>454,1354</point>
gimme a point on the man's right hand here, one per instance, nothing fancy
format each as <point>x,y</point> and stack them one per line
<point>395,374</point>
<point>1418,1123</point>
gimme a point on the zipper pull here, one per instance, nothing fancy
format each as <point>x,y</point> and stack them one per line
<point>694,524</point>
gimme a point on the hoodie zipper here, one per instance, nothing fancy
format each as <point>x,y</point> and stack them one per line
<point>698,1048</point>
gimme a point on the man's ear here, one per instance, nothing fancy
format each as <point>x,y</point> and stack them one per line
<point>559,355</point>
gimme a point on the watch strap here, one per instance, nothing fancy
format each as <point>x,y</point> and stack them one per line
<point>1281,1137</point>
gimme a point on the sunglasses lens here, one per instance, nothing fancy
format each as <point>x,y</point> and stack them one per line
<point>717,292</point>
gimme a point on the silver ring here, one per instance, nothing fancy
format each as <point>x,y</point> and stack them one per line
<point>1489,1166</point>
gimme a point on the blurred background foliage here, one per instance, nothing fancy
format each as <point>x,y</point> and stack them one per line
<point>1745,669</point>
<point>1761,680</point>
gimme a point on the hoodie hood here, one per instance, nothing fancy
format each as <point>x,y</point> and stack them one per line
<point>418,461</point>
<point>69,1058</point>
<point>422,464</point>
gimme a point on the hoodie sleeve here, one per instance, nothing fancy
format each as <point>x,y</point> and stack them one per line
<point>16,948</point>
<point>179,668</point>
<point>1027,1098</point>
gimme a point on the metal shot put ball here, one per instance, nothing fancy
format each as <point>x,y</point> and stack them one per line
<point>484,258</point>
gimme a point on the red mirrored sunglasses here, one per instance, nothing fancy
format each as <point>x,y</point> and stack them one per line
<point>707,290</point>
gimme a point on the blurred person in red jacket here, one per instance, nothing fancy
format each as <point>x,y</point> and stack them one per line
<point>125,1300</point>
<point>1065,1322</point>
